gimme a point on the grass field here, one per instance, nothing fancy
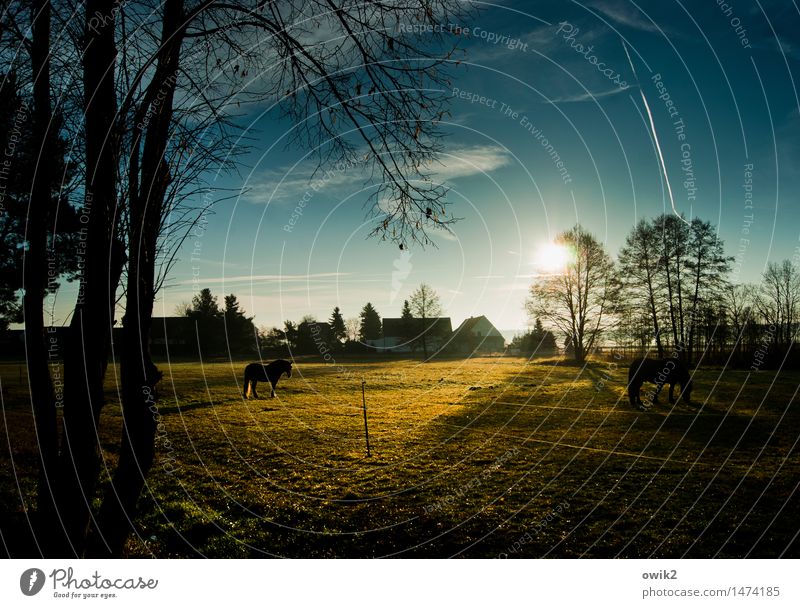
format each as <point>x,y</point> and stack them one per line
<point>486,457</point>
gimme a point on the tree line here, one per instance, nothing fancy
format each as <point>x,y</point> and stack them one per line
<point>669,293</point>
<point>418,326</point>
<point>227,330</point>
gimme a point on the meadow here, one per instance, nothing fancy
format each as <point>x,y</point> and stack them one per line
<point>482,457</point>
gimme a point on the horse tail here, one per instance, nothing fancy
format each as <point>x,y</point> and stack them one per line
<point>246,390</point>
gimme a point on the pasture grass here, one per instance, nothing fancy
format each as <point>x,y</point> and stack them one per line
<point>483,457</point>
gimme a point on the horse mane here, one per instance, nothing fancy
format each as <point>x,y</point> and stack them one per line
<point>281,363</point>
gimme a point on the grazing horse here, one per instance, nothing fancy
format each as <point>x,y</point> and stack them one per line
<point>272,372</point>
<point>670,371</point>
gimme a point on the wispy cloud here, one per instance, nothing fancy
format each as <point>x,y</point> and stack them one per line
<point>291,183</point>
<point>272,278</point>
<point>588,96</point>
<point>623,13</point>
<point>474,160</point>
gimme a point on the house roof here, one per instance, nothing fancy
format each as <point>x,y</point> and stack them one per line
<point>162,326</point>
<point>468,326</point>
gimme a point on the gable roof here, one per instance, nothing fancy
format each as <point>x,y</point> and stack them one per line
<point>468,326</point>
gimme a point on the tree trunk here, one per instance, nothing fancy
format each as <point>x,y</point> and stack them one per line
<point>90,329</point>
<point>653,309</point>
<point>37,350</point>
<point>140,375</point>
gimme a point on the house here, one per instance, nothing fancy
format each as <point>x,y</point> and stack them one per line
<point>477,334</point>
<point>407,335</point>
<point>173,336</point>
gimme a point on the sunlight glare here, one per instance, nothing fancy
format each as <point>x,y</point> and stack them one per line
<point>552,258</point>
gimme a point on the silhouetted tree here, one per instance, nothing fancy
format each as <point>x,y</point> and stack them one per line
<point>778,301</point>
<point>641,277</point>
<point>336,323</point>
<point>205,306</point>
<point>738,302</point>
<point>291,334</point>
<point>239,328</point>
<point>581,301</point>
<point>208,321</point>
<point>675,271</point>
<point>50,225</point>
<point>537,341</point>
<point>272,339</point>
<point>370,323</point>
<point>708,267</point>
<point>425,305</point>
<point>407,323</point>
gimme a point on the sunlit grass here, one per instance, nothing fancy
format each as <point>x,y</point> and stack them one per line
<point>467,456</point>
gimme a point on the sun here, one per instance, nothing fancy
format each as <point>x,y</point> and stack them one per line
<point>552,258</point>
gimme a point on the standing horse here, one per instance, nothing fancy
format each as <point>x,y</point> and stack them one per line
<point>272,373</point>
<point>670,371</point>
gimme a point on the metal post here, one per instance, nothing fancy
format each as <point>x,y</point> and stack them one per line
<point>366,427</point>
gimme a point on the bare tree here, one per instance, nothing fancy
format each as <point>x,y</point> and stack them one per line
<point>640,276</point>
<point>582,300</point>
<point>676,270</point>
<point>738,301</point>
<point>353,328</point>
<point>778,301</point>
<point>674,233</point>
<point>709,267</point>
<point>87,350</point>
<point>426,305</point>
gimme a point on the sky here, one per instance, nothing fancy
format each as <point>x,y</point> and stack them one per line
<point>548,128</point>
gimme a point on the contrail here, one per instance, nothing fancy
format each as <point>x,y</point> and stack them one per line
<point>655,135</point>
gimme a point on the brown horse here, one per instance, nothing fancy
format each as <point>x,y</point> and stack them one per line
<point>256,372</point>
<point>670,371</point>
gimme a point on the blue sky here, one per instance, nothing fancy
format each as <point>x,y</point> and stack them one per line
<point>737,101</point>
